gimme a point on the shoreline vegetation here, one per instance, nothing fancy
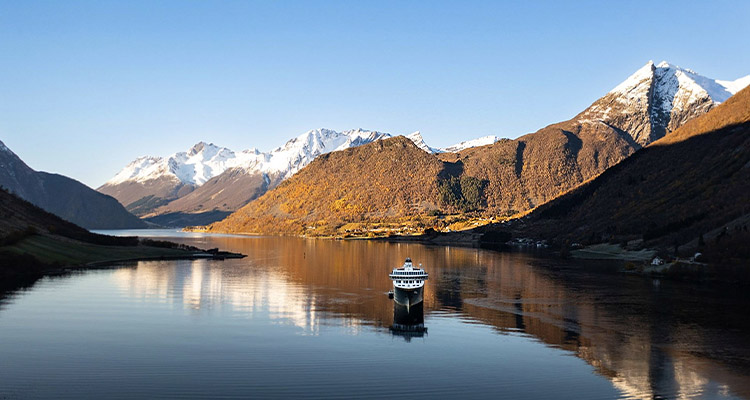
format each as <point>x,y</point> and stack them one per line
<point>35,255</point>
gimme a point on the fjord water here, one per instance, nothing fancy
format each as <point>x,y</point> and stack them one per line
<point>304,318</point>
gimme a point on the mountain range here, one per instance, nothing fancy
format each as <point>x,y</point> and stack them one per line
<point>208,182</point>
<point>504,178</point>
<point>63,196</point>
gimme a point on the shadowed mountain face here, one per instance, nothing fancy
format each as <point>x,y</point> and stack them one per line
<point>212,201</point>
<point>685,185</point>
<point>62,196</point>
<point>17,214</point>
<point>20,219</point>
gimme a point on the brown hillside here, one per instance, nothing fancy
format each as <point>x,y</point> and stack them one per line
<point>380,180</point>
<point>523,173</point>
<point>692,181</point>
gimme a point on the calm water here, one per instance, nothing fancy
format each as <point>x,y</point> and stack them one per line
<point>310,318</point>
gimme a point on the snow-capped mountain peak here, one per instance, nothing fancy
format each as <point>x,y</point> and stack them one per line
<point>659,98</point>
<point>482,141</point>
<point>195,166</point>
<point>672,80</point>
<point>204,160</point>
<point>418,140</point>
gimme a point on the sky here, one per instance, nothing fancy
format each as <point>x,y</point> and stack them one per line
<point>86,87</point>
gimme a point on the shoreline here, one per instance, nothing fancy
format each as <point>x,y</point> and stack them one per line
<point>632,262</point>
<point>45,255</point>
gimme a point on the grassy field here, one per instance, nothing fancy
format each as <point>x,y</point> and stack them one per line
<point>63,251</point>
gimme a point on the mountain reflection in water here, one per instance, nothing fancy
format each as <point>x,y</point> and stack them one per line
<point>650,339</point>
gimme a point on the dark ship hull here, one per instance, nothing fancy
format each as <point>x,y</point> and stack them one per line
<point>408,297</point>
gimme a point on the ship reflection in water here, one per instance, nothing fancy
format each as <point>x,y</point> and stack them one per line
<point>408,322</point>
<point>302,318</point>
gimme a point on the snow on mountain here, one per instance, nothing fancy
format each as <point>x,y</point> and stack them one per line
<point>657,99</point>
<point>654,97</point>
<point>416,137</point>
<point>300,151</point>
<point>4,148</point>
<point>482,141</point>
<point>676,83</point>
<point>735,85</point>
<point>195,166</point>
<point>206,160</point>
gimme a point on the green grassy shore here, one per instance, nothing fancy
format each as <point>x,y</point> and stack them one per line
<point>40,254</point>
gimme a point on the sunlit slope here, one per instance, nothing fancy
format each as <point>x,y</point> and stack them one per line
<point>384,179</point>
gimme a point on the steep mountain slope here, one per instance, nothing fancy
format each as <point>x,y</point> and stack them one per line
<point>62,196</point>
<point>693,181</point>
<point>504,178</point>
<point>150,182</point>
<point>389,177</point>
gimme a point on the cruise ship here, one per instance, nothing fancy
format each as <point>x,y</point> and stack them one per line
<point>408,284</point>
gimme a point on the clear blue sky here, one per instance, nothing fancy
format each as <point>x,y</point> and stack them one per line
<point>85,87</point>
